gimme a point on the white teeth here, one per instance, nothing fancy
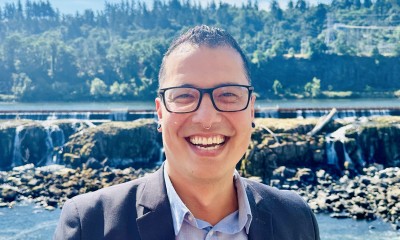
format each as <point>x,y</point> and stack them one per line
<point>198,140</point>
<point>209,148</point>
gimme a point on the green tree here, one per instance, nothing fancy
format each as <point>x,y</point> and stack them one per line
<point>397,50</point>
<point>98,89</point>
<point>367,3</point>
<point>313,88</point>
<point>276,11</point>
<point>375,52</point>
<point>22,84</point>
<point>277,87</point>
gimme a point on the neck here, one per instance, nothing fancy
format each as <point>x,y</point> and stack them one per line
<point>210,200</point>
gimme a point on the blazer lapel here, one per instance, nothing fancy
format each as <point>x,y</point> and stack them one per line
<point>261,223</point>
<point>154,213</point>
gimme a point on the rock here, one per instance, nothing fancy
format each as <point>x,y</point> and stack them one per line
<point>305,175</point>
<point>340,215</point>
<point>332,198</point>
<point>393,195</point>
<point>54,191</point>
<point>396,226</point>
<point>320,173</point>
<point>358,212</point>
<point>33,182</point>
<point>123,143</point>
<point>3,204</point>
<point>8,193</point>
<point>27,141</point>
<point>50,208</point>
<point>283,173</point>
<point>93,164</point>
<point>52,202</point>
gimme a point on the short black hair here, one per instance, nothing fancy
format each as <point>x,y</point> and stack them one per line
<point>204,35</point>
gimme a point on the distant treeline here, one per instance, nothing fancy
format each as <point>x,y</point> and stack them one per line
<point>114,54</point>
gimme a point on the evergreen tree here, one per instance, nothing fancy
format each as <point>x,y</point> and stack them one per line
<point>276,11</point>
<point>367,3</point>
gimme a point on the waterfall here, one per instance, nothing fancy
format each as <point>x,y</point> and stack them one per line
<point>54,142</point>
<point>17,156</point>
<point>268,113</point>
<point>332,158</point>
<point>338,135</point>
<point>342,113</point>
<point>119,115</point>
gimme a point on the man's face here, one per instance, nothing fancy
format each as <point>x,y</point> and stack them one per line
<point>204,67</point>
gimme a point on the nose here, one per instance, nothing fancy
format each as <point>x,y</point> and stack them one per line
<point>206,114</point>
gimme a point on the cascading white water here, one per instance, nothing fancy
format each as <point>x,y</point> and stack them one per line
<point>340,135</point>
<point>54,142</point>
<point>268,113</point>
<point>17,156</point>
<point>332,158</point>
<point>119,115</point>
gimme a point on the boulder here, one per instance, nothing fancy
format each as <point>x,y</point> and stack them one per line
<point>115,144</point>
<point>37,142</point>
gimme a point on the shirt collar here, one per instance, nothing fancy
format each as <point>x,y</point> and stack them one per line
<point>179,209</point>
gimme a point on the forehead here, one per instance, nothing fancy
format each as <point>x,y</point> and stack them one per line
<point>203,66</point>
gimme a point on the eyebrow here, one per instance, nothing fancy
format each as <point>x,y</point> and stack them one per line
<point>219,85</point>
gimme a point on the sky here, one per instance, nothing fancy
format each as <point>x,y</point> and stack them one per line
<point>71,6</point>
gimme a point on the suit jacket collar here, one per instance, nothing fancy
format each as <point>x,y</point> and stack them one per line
<point>154,213</point>
<point>261,224</point>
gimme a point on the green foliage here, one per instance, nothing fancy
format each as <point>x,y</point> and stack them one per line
<point>22,84</point>
<point>45,55</point>
<point>313,89</point>
<point>340,94</point>
<point>375,52</point>
<point>277,87</point>
<point>98,88</point>
<point>397,93</point>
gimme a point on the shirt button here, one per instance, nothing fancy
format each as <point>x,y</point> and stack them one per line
<point>190,218</point>
<point>211,232</point>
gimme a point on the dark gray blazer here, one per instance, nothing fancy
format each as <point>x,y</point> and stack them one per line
<point>140,210</point>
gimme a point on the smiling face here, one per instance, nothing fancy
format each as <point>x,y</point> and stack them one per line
<point>193,151</point>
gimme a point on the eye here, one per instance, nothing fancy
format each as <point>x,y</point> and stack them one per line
<point>182,98</point>
<point>228,97</point>
<point>228,94</point>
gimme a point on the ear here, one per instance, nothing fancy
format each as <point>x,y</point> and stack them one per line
<point>158,108</point>
<point>252,103</point>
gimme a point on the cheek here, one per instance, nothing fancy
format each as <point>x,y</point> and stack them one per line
<point>172,123</point>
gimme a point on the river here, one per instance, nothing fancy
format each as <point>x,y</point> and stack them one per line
<point>149,105</point>
<point>27,222</point>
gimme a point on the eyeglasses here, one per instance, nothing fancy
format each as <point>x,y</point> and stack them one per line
<point>226,98</point>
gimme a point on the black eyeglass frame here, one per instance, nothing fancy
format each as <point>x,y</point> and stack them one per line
<point>202,91</point>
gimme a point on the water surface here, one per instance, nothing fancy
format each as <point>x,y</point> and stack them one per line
<point>27,222</point>
<point>149,105</point>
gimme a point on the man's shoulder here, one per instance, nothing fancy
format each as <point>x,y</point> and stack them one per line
<point>292,217</point>
<point>272,196</point>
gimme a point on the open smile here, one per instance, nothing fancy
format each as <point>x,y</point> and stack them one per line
<point>208,143</point>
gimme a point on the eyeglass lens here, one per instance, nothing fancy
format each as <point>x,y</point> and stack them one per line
<point>226,98</point>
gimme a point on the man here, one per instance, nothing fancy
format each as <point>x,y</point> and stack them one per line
<point>206,110</point>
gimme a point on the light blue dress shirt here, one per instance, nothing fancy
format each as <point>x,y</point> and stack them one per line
<point>235,226</point>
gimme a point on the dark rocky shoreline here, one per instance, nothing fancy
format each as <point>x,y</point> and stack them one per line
<point>348,169</point>
<point>51,186</point>
<point>375,194</point>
